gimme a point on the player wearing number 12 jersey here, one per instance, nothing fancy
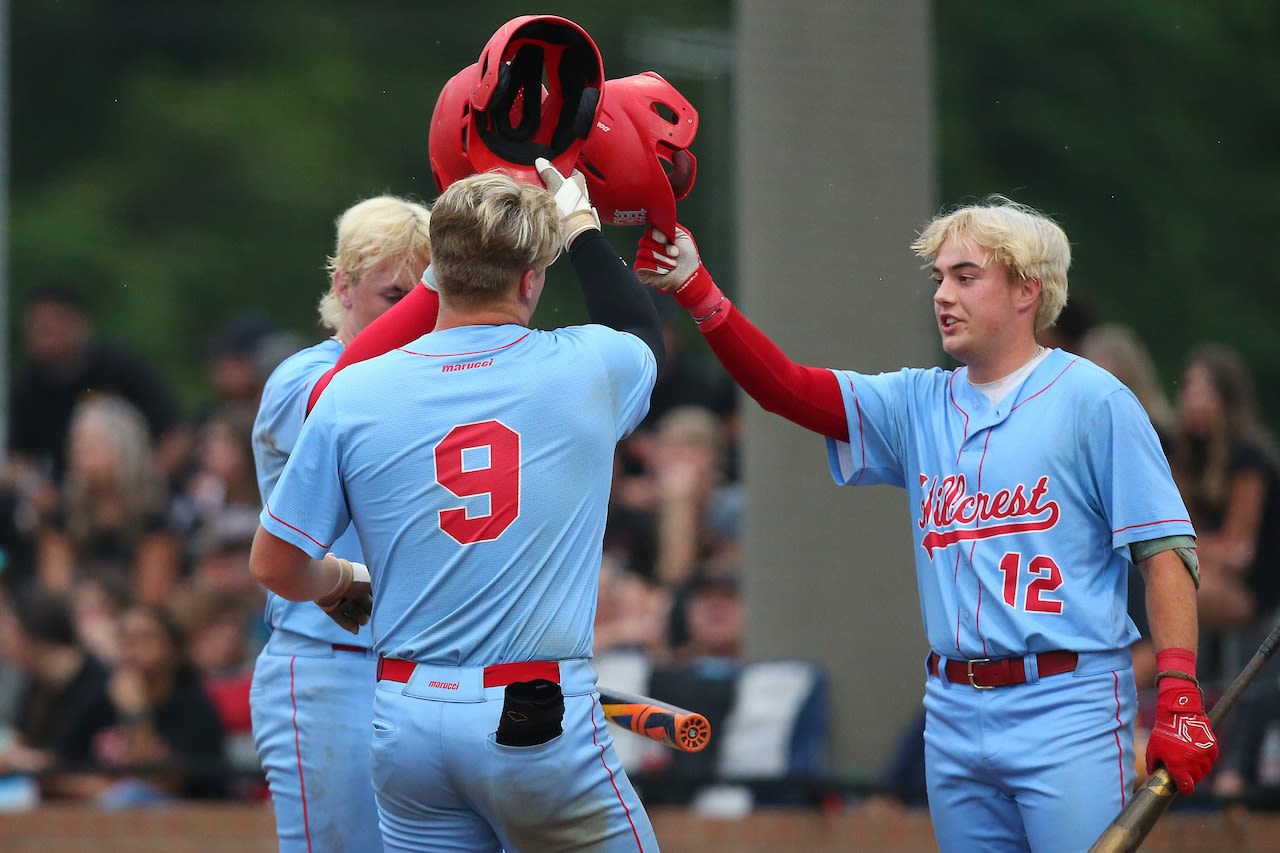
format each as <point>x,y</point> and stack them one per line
<point>476,463</point>
<point>1033,480</point>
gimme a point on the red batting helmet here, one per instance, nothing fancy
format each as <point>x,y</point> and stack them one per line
<point>497,114</point>
<point>637,160</point>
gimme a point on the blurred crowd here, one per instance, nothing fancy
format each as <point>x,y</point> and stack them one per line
<point>129,621</point>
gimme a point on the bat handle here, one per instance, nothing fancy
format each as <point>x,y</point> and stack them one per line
<point>1126,832</point>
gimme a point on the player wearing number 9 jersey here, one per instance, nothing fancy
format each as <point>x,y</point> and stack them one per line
<point>312,692</point>
<point>1033,480</point>
<point>475,463</point>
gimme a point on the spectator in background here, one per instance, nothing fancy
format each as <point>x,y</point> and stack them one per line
<point>151,733</point>
<point>235,362</point>
<point>1117,349</point>
<point>215,621</point>
<point>699,513</point>
<point>62,685</point>
<point>112,522</point>
<point>1226,465</point>
<point>96,606</point>
<point>631,614</point>
<point>63,362</point>
<point>222,487</point>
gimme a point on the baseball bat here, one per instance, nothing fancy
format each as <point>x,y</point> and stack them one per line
<point>1131,826</point>
<point>675,727</point>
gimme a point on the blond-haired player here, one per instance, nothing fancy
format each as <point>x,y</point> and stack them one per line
<point>312,694</point>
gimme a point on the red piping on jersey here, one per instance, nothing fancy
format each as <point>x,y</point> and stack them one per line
<point>955,585</point>
<point>1115,680</point>
<point>977,522</point>
<point>455,354</point>
<point>1047,387</point>
<point>951,393</point>
<point>297,748</point>
<point>1151,523</point>
<point>595,739</point>
<point>294,529</point>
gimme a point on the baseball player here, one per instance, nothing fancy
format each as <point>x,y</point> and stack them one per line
<point>312,692</point>
<point>1033,480</point>
<point>476,464</point>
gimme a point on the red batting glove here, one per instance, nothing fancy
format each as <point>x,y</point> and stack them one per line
<point>1182,739</point>
<point>675,267</point>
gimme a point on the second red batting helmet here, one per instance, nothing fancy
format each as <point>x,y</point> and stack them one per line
<point>637,160</point>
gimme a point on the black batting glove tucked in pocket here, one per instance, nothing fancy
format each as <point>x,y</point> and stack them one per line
<point>532,713</point>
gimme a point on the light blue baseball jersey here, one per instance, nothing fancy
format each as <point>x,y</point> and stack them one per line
<point>476,466</point>
<point>1022,514</point>
<point>281,414</point>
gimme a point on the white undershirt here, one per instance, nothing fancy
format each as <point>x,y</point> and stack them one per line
<point>1000,388</point>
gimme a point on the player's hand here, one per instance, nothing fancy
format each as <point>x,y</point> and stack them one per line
<point>1182,739</point>
<point>664,263</point>
<point>350,602</point>
<point>674,266</point>
<point>571,199</point>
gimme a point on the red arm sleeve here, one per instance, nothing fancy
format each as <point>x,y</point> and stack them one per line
<point>407,320</point>
<point>808,396</point>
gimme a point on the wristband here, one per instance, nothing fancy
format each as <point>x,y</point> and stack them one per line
<point>700,296</point>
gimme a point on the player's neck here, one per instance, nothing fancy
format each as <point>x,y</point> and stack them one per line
<point>1007,363</point>
<point>489,315</point>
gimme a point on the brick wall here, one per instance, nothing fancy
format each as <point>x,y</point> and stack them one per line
<point>248,829</point>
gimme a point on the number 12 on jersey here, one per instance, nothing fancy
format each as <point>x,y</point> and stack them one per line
<point>1043,576</point>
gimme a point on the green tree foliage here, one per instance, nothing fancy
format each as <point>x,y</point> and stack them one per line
<point>185,161</point>
<point>1147,129</point>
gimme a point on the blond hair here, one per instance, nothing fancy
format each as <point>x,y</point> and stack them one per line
<point>369,233</point>
<point>1028,243</point>
<point>487,229</point>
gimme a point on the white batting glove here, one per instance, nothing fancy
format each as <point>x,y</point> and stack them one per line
<point>571,199</point>
<point>666,264</point>
<point>429,279</point>
<point>350,602</point>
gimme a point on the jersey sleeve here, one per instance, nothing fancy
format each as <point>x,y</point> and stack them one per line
<point>308,506</point>
<point>281,412</point>
<point>1131,474</point>
<point>874,408</point>
<point>632,371</point>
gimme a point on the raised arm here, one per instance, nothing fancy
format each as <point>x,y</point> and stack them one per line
<point>808,396</point>
<point>614,295</point>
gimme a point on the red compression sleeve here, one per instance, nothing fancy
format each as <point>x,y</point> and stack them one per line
<point>808,396</point>
<point>407,320</point>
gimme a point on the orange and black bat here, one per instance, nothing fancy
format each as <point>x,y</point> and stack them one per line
<point>677,728</point>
